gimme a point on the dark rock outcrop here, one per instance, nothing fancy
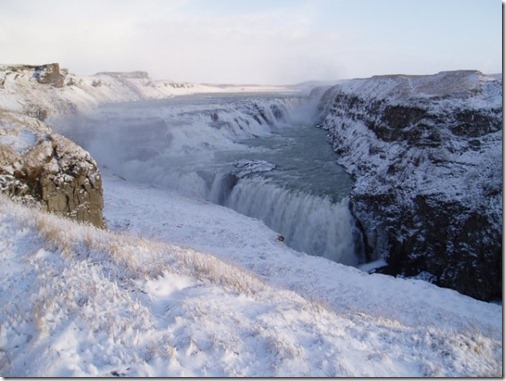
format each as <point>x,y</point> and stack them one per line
<point>41,167</point>
<point>47,74</point>
<point>426,155</point>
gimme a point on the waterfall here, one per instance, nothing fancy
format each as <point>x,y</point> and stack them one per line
<point>221,188</point>
<point>308,223</point>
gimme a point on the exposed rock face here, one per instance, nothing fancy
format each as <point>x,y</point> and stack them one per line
<point>426,152</point>
<point>48,74</point>
<point>39,166</point>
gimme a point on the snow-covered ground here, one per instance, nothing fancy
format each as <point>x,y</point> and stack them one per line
<point>182,287</point>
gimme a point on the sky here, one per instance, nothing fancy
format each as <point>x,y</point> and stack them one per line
<point>254,41</point>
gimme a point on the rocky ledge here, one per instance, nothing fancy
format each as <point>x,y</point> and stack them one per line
<point>47,74</point>
<point>38,166</point>
<point>426,153</point>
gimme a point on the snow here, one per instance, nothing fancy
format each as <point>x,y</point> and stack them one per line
<point>19,142</point>
<point>401,87</point>
<point>369,158</point>
<point>182,287</point>
<point>178,286</point>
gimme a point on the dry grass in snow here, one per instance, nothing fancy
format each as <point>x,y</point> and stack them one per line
<point>79,301</point>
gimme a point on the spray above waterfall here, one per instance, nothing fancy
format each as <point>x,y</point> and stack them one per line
<point>258,154</point>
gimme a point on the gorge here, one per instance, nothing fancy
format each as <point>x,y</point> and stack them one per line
<point>423,152</point>
<point>258,154</point>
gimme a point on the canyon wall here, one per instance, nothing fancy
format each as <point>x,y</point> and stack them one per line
<point>426,153</point>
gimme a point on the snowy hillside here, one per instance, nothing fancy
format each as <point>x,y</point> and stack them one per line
<point>78,301</point>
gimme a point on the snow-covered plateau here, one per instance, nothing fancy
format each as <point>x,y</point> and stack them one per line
<point>183,285</point>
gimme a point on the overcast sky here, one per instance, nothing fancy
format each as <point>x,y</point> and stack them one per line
<point>254,41</point>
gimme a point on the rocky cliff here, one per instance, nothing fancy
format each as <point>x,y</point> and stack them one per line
<point>38,166</point>
<point>48,74</point>
<point>426,152</point>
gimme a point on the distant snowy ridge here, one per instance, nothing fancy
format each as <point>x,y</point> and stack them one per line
<point>22,90</point>
<point>426,152</point>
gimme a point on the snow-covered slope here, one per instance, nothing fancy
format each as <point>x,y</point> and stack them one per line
<point>426,152</point>
<point>78,301</point>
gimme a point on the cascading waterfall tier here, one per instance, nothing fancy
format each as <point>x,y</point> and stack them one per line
<point>309,223</point>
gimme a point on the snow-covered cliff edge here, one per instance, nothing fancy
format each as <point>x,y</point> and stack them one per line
<point>426,152</point>
<point>37,165</point>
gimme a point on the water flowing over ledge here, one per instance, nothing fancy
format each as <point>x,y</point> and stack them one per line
<point>309,223</point>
